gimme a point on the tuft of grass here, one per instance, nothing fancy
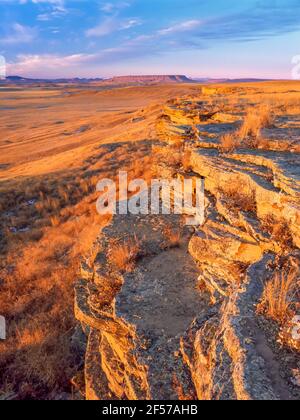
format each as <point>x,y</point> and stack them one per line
<point>173,237</point>
<point>254,122</point>
<point>186,161</point>
<point>123,256</point>
<point>266,116</point>
<point>169,155</point>
<point>141,167</point>
<point>277,299</point>
<point>229,142</point>
<point>54,220</point>
<point>259,143</point>
<point>240,199</point>
<point>279,231</point>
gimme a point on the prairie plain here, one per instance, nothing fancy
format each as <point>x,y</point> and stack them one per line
<point>56,143</point>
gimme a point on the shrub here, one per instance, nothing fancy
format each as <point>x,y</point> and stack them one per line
<point>123,256</point>
<point>173,237</point>
<point>254,122</point>
<point>229,142</point>
<point>186,161</point>
<point>54,220</point>
<point>239,199</point>
<point>279,230</point>
<point>277,299</point>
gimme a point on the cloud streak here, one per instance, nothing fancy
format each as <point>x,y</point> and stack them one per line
<point>19,34</point>
<point>33,63</point>
<point>111,25</point>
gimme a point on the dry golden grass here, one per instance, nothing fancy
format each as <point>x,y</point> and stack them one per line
<point>40,265</point>
<point>37,301</point>
<point>239,199</point>
<point>229,142</point>
<point>261,115</point>
<point>279,231</point>
<point>186,160</point>
<point>287,104</point>
<point>173,237</point>
<point>249,135</point>
<point>266,116</point>
<point>54,220</point>
<point>124,256</point>
<point>193,132</point>
<point>142,167</point>
<point>170,155</point>
<point>255,120</point>
<point>183,395</point>
<point>277,300</point>
<point>260,142</point>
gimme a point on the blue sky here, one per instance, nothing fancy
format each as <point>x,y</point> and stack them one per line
<point>204,38</point>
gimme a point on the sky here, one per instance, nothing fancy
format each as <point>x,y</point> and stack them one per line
<point>198,38</point>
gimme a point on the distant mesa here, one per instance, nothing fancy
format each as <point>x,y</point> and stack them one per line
<point>148,80</point>
<point>117,81</point>
<point>122,81</point>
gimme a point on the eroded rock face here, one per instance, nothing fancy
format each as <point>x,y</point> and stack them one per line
<point>225,345</point>
<point>136,319</point>
<point>183,324</point>
<point>222,173</point>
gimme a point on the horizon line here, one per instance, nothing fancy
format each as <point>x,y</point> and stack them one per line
<point>148,75</point>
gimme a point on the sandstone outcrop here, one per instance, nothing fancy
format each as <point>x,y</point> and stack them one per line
<point>183,324</point>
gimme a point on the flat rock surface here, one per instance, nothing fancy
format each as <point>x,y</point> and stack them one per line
<point>160,300</point>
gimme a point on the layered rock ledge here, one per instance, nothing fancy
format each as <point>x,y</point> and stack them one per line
<point>184,323</point>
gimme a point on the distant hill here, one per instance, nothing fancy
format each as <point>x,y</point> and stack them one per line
<point>217,81</point>
<point>148,80</point>
<point>118,81</point>
<point>18,80</point>
<point>124,80</point>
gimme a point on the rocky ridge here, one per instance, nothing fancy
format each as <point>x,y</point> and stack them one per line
<point>183,324</point>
